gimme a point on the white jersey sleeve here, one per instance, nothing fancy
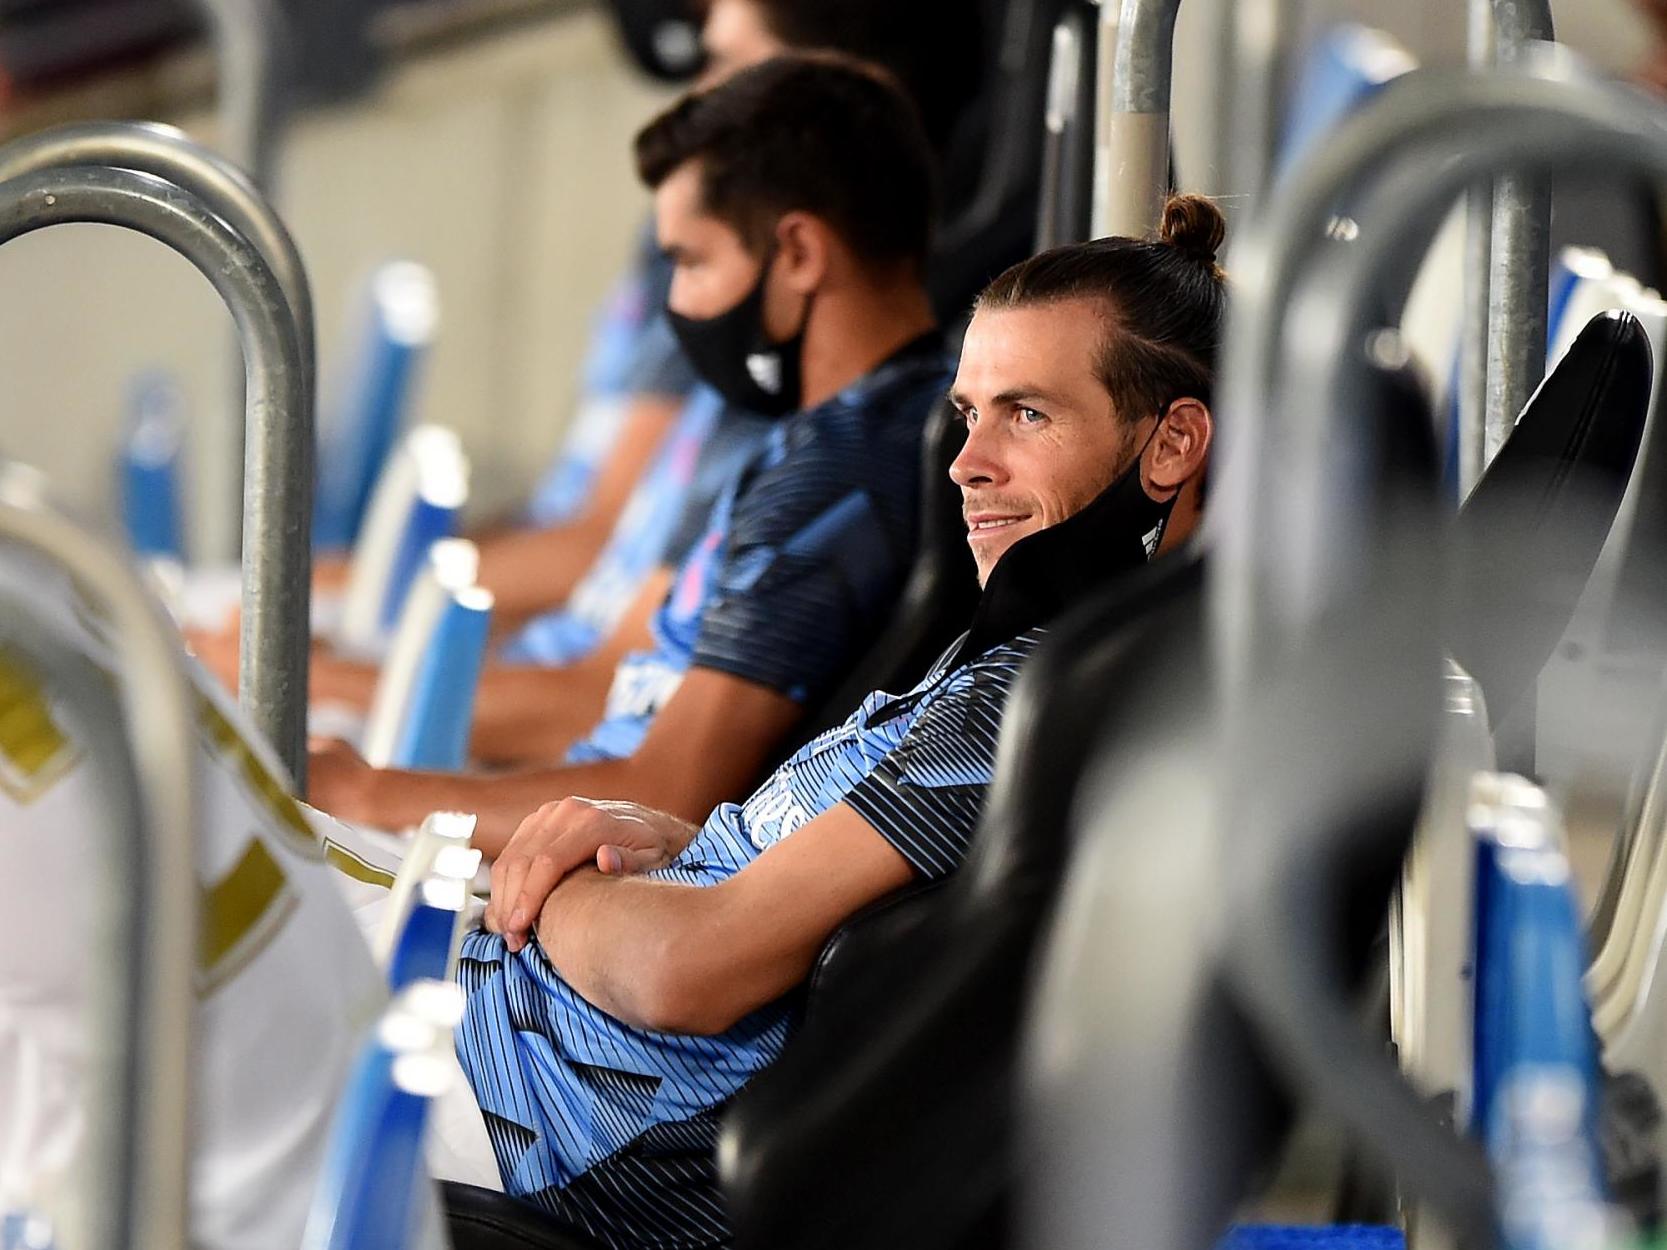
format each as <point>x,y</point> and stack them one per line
<point>286,988</point>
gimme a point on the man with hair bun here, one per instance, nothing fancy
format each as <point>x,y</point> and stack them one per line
<point>633,972</point>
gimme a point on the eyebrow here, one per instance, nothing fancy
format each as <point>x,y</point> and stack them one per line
<point>1013,395</point>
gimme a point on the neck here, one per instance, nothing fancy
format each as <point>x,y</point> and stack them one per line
<point>854,327</point>
<point>1185,519</point>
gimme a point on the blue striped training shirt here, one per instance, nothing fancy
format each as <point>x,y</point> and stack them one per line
<point>611,1128</point>
<point>802,556</point>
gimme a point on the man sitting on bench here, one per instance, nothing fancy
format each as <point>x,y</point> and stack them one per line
<point>634,975</point>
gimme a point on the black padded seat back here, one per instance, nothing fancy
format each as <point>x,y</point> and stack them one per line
<point>1148,1102</point>
<point>889,1120</point>
<point>938,596</point>
<point>1530,532</point>
<point>884,1121</point>
<point>996,224</point>
<point>484,1219</point>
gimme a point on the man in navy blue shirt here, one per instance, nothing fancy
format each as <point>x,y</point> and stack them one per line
<point>636,974</point>
<point>795,202</point>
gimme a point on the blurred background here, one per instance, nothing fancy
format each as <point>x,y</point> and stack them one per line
<point>485,139</point>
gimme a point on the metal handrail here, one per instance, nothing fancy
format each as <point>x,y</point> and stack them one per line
<point>278,474</point>
<point>141,733</point>
<point>166,152</point>
<point>1507,263</point>
<point>1133,182</point>
<point>1547,110</point>
<point>1519,262</point>
<point>1284,556</point>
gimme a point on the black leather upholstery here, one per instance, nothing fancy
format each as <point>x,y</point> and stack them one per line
<point>483,1219</point>
<point>906,1052</point>
<point>1530,532</point>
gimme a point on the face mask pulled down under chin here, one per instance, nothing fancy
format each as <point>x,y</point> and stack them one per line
<point>733,355</point>
<point>1130,518</point>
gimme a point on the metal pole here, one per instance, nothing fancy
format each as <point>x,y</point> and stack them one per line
<point>1521,254</point>
<point>1262,32</point>
<point>167,153</point>
<point>278,471</point>
<point>139,1128</point>
<point>1478,273</point>
<point>1134,174</point>
<point>247,38</point>
<point>1269,575</point>
<point>1428,137</point>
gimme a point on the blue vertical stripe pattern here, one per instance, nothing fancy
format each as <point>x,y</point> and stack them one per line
<point>802,555</point>
<point>610,1127</point>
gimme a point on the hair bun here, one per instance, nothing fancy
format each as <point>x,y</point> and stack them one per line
<point>1193,226</point>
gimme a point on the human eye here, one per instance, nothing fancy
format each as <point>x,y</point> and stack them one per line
<point>968,416</point>
<point>1030,416</point>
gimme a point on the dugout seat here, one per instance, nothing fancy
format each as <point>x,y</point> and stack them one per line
<point>938,597</point>
<point>905,1058</point>
<point>931,1090</point>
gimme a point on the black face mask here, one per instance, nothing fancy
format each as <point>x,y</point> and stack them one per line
<point>1047,572</point>
<point>735,358</point>
<point>1131,515</point>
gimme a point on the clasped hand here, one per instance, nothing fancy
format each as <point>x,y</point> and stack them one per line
<point>559,838</point>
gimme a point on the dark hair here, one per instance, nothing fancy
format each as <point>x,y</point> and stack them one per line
<point>1165,297</point>
<point>935,48</point>
<point>814,133</point>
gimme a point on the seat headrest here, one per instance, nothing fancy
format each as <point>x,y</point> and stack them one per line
<point>1530,532</point>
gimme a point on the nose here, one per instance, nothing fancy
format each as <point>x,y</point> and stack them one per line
<point>980,461</point>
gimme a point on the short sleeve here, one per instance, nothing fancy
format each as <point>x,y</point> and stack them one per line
<point>925,796</point>
<point>657,365</point>
<point>793,613</point>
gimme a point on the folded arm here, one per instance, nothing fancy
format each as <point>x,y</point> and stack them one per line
<point>682,959</point>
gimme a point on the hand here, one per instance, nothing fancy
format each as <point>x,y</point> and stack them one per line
<point>340,782</point>
<point>557,839</point>
<point>216,650</point>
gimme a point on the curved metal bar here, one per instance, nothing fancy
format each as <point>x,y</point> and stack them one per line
<point>1268,571</point>
<point>1134,176</point>
<point>139,1132</point>
<point>278,473</point>
<point>1409,144</point>
<point>168,153</point>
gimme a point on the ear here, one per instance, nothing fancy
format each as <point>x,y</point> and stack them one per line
<point>1181,446</point>
<point>804,252</point>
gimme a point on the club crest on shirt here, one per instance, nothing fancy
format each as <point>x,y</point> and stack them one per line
<point>34,750</point>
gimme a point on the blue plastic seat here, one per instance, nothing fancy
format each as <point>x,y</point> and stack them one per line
<point>149,469</point>
<point>369,1192</point>
<point>441,708</point>
<point>401,315</point>
<point>1536,1072</point>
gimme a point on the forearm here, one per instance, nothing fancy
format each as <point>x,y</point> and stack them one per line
<point>332,679</point>
<point>532,571</point>
<point>622,942</point>
<point>525,714</point>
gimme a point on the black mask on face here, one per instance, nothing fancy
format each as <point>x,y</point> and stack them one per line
<point>733,355</point>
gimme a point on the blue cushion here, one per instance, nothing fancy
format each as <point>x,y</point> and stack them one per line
<point>1312,1237</point>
